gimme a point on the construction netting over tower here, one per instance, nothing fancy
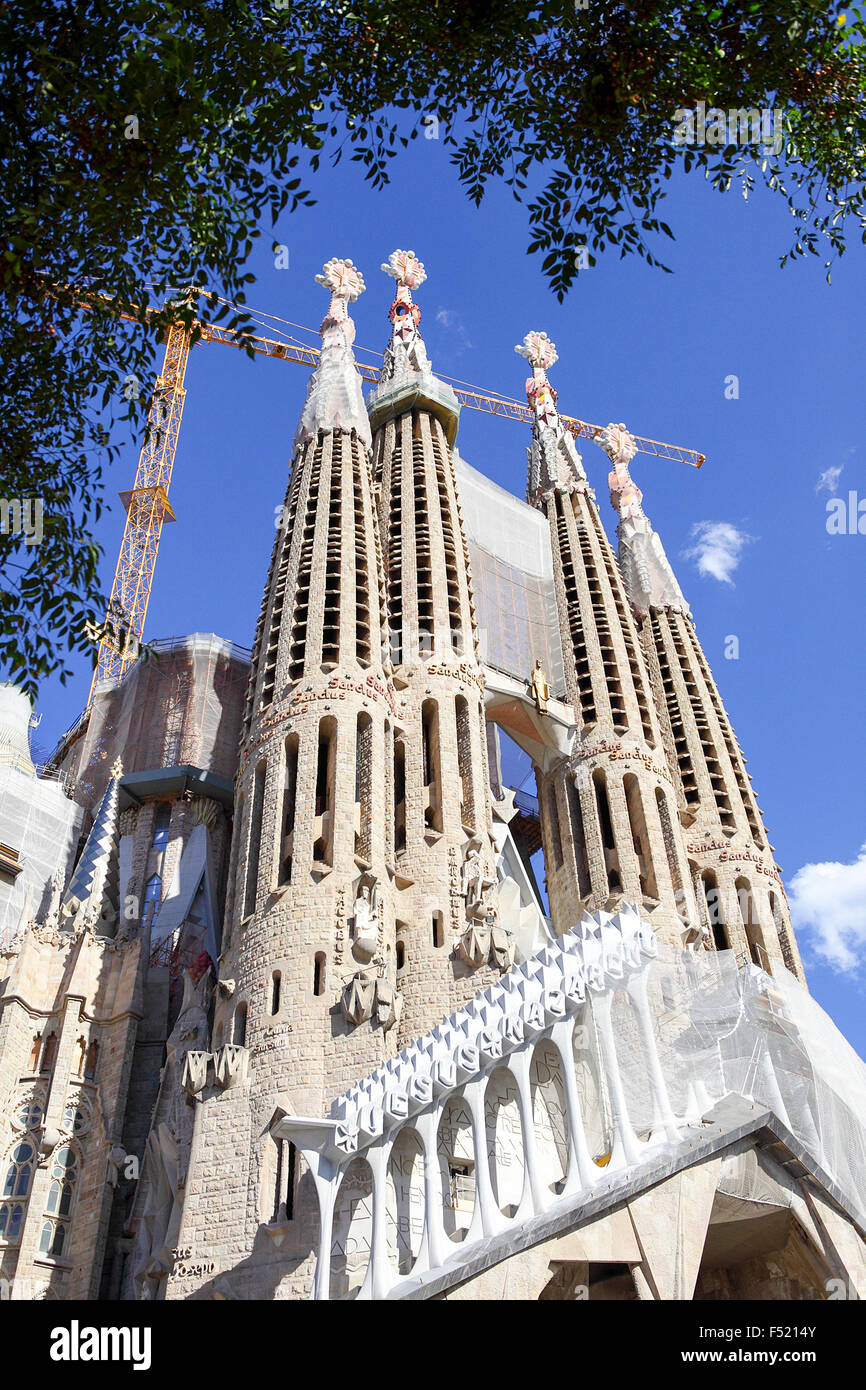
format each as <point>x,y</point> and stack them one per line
<point>512,579</point>
<point>181,706</point>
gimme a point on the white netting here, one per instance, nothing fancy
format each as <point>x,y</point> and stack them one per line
<point>722,1030</point>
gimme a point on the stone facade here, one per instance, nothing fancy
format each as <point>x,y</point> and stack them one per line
<point>295,876</point>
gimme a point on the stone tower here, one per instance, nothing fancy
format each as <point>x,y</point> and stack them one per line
<point>306,996</point>
<point>444,861</point>
<point>609,813</point>
<point>737,884</point>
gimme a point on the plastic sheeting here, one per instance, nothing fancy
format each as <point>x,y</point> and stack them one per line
<point>512,579</point>
<point>722,1030</point>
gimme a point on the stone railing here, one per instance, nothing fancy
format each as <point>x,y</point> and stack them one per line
<point>514,1104</point>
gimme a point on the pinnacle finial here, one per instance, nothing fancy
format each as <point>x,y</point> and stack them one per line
<point>406,269</point>
<point>117,768</point>
<point>619,445</point>
<point>342,278</point>
<point>538,350</point>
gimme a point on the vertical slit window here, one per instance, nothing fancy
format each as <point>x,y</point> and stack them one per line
<point>464,763</point>
<point>578,839</point>
<point>670,847</point>
<point>614,882</point>
<point>363,598</point>
<point>333,558</point>
<point>290,784</point>
<point>553,823</point>
<point>363,786</point>
<point>640,835</point>
<point>323,847</point>
<point>276,980</point>
<point>301,612</point>
<point>712,899</point>
<point>319,974</point>
<point>254,841</point>
<point>432,779</point>
<point>399,796</point>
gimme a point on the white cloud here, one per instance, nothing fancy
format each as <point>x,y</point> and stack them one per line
<point>829,902</point>
<point>451,321</point>
<point>829,479</point>
<point>717,549</point>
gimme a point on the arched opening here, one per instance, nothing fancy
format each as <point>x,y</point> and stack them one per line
<point>670,848</point>
<point>457,1167</point>
<point>399,795</point>
<point>290,783</point>
<point>276,980</point>
<point>549,1115</point>
<point>464,763</point>
<point>323,835</point>
<point>505,1153</point>
<point>640,836</point>
<point>751,925</point>
<point>319,973</point>
<point>352,1230</point>
<point>405,1200</point>
<point>239,1025</point>
<point>401,955</point>
<point>49,1052</point>
<point>594,1108</point>
<point>611,859</point>
<point>712,899</point>
<point>431,766</point>
<point>438,929</point>
<point>254,841</point>
<point>363,786</point>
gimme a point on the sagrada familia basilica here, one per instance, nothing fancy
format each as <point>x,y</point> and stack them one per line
<point>284,1013</point>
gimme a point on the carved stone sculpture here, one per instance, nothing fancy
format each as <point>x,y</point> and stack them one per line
<point>366,912</point>
<point>358,997</point>
<point>540,688</point>
<point>475,882</point>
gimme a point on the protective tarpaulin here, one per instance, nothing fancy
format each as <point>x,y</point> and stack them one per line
<point>512,579</point>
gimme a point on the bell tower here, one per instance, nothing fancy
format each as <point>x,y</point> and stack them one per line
<point>608,812</point>
<point>307,996</point>
<point>738,886</point>
<point>449,943</point>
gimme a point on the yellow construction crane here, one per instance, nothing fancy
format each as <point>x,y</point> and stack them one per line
<point>147,505</point>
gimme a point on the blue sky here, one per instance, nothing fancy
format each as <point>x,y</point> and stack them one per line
<point>638,346</point>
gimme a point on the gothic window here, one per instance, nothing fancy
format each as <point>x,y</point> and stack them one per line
<point>20,1166</point>
<point>49,1052</point>
<point>58,1208</point>
<point>255,841</point>
<point>92,1061</point>
<point>76,1115</point>
<point>30,1111</point>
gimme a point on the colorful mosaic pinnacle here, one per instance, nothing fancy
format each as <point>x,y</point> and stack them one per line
<point>406,269</point>
<point>538,350</point>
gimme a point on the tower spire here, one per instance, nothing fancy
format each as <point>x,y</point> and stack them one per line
<point>335,398</point>
<point>553,458</point>
<point>649,579</point>
<point>82,900</point>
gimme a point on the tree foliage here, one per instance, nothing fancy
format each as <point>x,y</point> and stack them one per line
<point>146,146</point>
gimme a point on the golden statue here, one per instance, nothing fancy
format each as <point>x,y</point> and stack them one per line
<point>540,688</point>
